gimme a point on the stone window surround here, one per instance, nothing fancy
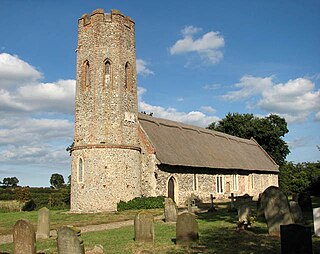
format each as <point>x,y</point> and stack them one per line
<point>220,184</point>
<point>80,170</point>
<point>195,182</point>
<point>235,182</point>
<point>128,76</point>
<point>85,75</point>
<point>108,84</point>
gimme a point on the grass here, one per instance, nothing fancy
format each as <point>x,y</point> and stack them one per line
<point>218,234</point>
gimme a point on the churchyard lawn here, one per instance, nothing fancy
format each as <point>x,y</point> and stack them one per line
<point>218,233</point>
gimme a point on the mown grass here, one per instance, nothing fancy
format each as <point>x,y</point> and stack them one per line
<point>218,234</point>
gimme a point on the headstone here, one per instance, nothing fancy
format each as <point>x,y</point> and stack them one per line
<point>296,239</point>
<point>304,201</point>
<point>98,249</point>
<point>186,228</point>
<point>24,238</point>
<point>143,227</point>
<point>43,229</point>
<point>244,214</point>
<point>212,208</point>
<point>69,241</point>
<point>276,209</point>
<point>296,213</point>
<point>170,210</point>
<point>316,221</point>
<point>232,207</point>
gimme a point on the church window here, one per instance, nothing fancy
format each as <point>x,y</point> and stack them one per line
<point>235,182</point>
<point>85,78</point>
<point>195,182</point>
<point>107,74</point>
<point>220,184</point>
<point>128,76</point>
<point>80,171</point>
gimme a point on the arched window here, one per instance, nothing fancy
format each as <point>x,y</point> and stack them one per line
<point>85,79</point>
<point>107,74</point>
<point>80,171</point>
<point>128,76</point>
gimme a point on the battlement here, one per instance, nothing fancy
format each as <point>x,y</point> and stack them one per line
<point>99,15</point>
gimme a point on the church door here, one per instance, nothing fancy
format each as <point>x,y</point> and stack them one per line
<point>171,188</point>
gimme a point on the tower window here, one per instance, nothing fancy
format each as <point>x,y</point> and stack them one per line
<point>85,78</point>
<point>107,74</point>
<point>128,76</point>
<point>80,171</point>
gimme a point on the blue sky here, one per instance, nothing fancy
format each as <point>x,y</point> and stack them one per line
<point>197,61</point>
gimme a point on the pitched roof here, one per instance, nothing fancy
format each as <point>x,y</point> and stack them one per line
<point>180,144</point>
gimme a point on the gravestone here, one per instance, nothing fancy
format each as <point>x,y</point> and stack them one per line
<point>24,238</point>
<point>186,228</point>
<point>304,201</point>
<point>212,208</point>
<point>316,221</point>
<point>170,210</point>
<point>232,207</point>
<point>43,229</point>
<point>143,227</point>
<point>296,213</point>
<point>276,210</point>
<point>244,214</point>
<point>69,241</point>
<point>296,239</point>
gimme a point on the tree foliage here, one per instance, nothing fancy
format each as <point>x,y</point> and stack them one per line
<point>296,178</point>
<point>57,181</point>
<point>10,181</point>
<point>267,131</point>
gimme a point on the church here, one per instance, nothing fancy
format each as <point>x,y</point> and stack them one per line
<point>120,154</point>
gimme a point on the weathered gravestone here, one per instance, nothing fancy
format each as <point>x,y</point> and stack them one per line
<point>296,239</point>
<point>170,210</point>
<point>244,214</point>
<point>296,212</point>
<point>276,210</point>
<point>143,227</point>
<point>316,221</point>
<point>232,207</point>
<point>69,241</point>
<point>24,238</point>
<point>305,201</point>
<point>43,229</point>
<point>186,228</point>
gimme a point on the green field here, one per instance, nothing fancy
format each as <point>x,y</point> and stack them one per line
<point>218,233</point>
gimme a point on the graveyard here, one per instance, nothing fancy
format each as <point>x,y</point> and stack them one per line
<point>217,231</point>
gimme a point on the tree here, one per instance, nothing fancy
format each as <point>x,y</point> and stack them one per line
<point>57,181</point>
<point>267,131</point>
<point>10,181</point>
<point>22,194</point>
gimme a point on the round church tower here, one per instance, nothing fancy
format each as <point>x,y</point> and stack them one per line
<point>106,152</point>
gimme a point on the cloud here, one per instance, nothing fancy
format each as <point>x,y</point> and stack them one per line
<point>294,100</point>
<point>208,109</point>
<point>299,142</point>
<point>206,46</point>
<point>212,87</point>
<point>193,117</point>
<point>142,68</point>
<point>14,71</point>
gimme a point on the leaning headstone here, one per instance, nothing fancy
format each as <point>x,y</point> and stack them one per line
<point>296,239</point>
<point>143,227</point>
<point>24,238</point>
<point>276,209</point>
<point>316,221</point>
<point>170,210</point>
<point>69,241</point>
<point>296,212</point>
<point>244,214</point>
<point>43,229</point>
<point>187,228</point>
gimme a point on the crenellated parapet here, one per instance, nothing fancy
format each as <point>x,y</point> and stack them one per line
<point>99,16</point>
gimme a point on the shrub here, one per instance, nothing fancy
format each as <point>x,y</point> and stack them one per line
<point>30,205</point>
<point>141,203</point>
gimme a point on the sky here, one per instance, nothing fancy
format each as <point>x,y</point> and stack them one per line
<point>196,61</point>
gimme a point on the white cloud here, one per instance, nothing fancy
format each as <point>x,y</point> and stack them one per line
<point>294,100</point>
<point>193,117</point>
<point>206,46</point>
<point>212,87</point>
<point>142,68</point>
<point>179,99</point>
<point>14,71</point>
<point>208,109</point>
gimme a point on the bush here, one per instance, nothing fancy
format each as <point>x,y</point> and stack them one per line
<point>29,206</point>
<point>141,203</point>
